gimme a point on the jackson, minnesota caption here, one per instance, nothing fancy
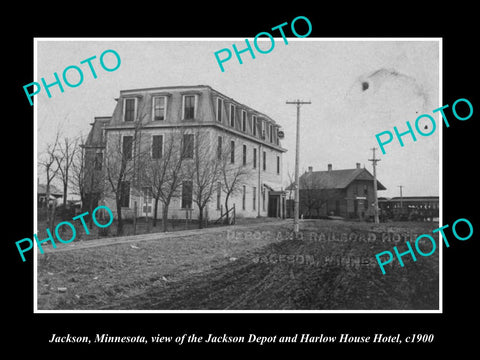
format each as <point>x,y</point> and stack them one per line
<point>69,339</point>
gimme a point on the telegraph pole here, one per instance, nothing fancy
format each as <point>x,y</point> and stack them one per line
<point>297,160</point>
<point>401,196</point>
<point>375,198</point>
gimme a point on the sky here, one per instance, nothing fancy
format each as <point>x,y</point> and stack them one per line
<point>357,89</point>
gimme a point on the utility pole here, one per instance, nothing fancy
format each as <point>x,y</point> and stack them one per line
<point>297,160</point>
<point>401,196</point>
<point>375,198</point>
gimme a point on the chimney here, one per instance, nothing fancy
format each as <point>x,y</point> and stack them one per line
<point>358,165</point>
<point>310,168</point>
<point>329,167</point>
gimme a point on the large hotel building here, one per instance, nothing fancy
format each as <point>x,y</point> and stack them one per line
<point>145,121</point>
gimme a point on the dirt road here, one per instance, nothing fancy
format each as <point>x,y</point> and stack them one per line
<point>254,267</point>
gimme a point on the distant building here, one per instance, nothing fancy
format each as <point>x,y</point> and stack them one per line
<point>251,138</point>
<point>55,195</point>
<point>347,193</point>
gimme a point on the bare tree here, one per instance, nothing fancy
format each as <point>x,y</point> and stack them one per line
<point>202,169</point>
<point>313,197</point>
<point>291,193</point>
<point>309,198</point>
<point>78,170</point>
<point>122,160</point>
<point>232,173</point>
<point>51,168</point>
<point>163,173</point>
<point>86,177</point>
<point>64,158</point>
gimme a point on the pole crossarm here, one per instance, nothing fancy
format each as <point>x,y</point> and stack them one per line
<point>298,102</point>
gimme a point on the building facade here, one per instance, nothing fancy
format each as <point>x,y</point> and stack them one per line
<point>346,193</point>
<point>129,153</point>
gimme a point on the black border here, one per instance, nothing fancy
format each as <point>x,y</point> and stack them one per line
<point>455,26</point>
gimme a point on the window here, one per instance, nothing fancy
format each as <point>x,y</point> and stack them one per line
<point>254,197</point>
<point>98,161</point>
<point>147,194</point>
<point>254,125</point>
<point>232,152</point>
<point>125,194</point>
<point>244,120</point>
<point>129,112</point>
<point>355,189</point>
<point>157,146</point>
<point>262,133</point>
<point>271,133</point>
<point>254,158</point>
<point>219,195</point>
<point>187,149</point>
<point>264,161</point>
<point>189,107</point>
<point>127,147</point>
<point>147,199</point>
<point>159,108</point>
<point>278,164</point>
<point>219,109</point>
<point>244,193</point>
<point>219,148</point>
<point>365,190</point>
<point>187,188</point>
<point>232,115</point>
<point>244,155</point>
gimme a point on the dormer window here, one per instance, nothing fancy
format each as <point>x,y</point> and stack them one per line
<point>129,109</point>
<point>189,108</point>
<point>232,115</point>
<point>219,109</point>
<point>159,108</point>
<point>244,120</point>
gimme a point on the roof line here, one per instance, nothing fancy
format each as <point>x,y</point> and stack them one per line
<point>167,87</point>
<point>350,180</point>
<point>201,87</point>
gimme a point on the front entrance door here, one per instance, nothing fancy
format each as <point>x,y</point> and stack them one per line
<point>273,206</point>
